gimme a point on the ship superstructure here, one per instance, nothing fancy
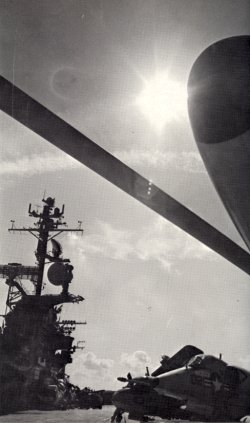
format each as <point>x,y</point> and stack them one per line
<point>35,345</point>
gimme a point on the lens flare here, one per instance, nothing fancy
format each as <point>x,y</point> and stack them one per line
<point>162,100</point>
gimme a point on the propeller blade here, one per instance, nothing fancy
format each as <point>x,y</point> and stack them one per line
<point>42,121</point>
<point>122,379</point>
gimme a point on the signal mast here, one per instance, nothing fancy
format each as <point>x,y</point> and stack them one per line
<point>49,225</point>
<point>35,345</point>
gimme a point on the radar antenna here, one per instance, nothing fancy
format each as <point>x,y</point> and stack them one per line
<point>48,226</point>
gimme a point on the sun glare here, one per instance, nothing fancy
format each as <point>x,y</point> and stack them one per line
<point>162,100</point>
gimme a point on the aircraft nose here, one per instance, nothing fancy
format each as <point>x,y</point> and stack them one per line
<point>121,398</point>
<point>174,383</point>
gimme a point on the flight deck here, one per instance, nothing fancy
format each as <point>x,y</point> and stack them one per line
<point>72,416</point>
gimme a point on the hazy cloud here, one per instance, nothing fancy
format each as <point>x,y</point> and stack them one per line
<point>189,161</point>
<point>160,241</point>
<point>89,370</point>
<point>136,362</point>
<point>38,163</point>
<point>91,362</point>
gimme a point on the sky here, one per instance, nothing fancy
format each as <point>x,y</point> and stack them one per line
<point>117,71</point>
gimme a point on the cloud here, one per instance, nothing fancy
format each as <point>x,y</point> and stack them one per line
<point>161,242</point>
<point>112,242</point>
<point>89,370</point>
<point>37,164</point>
<point>136,362</point>
<point>91,362</point>
<point>189,161</point>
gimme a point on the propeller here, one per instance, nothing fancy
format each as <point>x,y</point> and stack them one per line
<point>45,123</point>
<point>125,379</point>
<point>142,380</point>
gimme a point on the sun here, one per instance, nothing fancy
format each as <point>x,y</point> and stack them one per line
<point>162,100</point>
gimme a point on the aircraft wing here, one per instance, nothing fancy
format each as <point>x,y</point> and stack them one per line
<point>219,111</point>
<point>45,123</point>
<point>177,360</point>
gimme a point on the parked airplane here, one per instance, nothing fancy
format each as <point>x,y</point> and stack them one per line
<point>141,400</point>
<point>219,110</point>
<point>205,387</point>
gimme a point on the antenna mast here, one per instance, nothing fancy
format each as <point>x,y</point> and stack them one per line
<point>49,222</point>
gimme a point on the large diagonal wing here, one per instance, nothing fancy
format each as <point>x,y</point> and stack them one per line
<point>219,111</point>
<point>42,121</point>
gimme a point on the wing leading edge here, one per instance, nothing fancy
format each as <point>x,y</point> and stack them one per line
<point>219,111</point>
<point>45,123</point>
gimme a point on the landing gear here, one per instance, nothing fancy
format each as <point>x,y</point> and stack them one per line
<point>117,416</point>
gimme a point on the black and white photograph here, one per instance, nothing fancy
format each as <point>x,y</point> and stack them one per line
<point>124,211</point>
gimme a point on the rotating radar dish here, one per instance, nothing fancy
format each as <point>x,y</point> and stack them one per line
<point>60,274</point>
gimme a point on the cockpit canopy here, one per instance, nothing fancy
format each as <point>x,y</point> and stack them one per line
<point>208,362</point>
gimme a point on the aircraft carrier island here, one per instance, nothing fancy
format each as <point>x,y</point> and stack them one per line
<point>35,344</point>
